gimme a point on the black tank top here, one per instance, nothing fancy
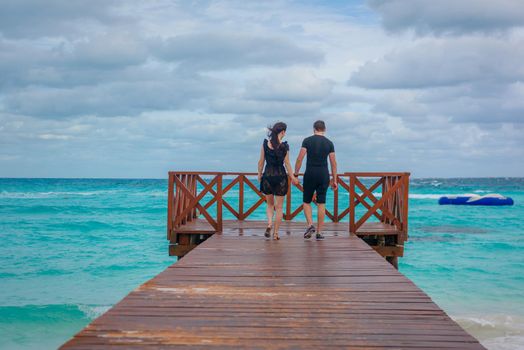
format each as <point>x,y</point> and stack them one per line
<point>275,159</point>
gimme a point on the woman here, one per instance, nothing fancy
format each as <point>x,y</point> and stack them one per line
<point>274,180</point>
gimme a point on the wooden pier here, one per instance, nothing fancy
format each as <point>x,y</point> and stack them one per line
<point>237,290</point>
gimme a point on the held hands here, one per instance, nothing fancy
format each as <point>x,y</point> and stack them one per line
<point>294,180</point>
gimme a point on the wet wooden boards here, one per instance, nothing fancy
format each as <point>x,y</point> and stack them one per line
<point>238,290</point>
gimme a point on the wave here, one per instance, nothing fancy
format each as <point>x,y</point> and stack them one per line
<point>495,332</point>
<point>426,196</point>
<point>438,195</point>
<point>59,194</point>
<point>451,229</point>
<point>154,193</point>
<point>42,195</point>
<point>51,313</point>
<point>93,311</point>
<point>418,195</point>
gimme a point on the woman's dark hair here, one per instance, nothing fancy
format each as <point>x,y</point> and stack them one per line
<point>274,130</point>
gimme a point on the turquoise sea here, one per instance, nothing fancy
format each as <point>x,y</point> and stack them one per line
<point>71,248</point>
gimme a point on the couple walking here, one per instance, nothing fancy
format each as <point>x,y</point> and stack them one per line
<point>274,180</point>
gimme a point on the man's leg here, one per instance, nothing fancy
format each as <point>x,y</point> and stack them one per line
<point>321,203</point>
<point>309,190</point>
<point>321,209</point>
<point>308,213</point>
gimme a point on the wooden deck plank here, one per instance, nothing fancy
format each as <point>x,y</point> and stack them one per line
<point>201,226</point>
<point>237,290</point>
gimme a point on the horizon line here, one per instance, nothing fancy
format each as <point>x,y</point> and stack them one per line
<point>158,178</point>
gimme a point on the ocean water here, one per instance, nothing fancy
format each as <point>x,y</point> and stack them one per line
<point>71,248</point>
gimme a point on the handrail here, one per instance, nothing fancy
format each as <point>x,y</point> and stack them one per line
<point>393,203</point>
<point>363,174</point>
<point>185,199</point>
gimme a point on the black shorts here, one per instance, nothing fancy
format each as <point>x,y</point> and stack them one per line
<point>275,185</point>
<point>316,179</point>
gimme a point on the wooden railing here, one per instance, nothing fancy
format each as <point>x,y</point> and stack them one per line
<point>391,208</point>
<point>188,190</point>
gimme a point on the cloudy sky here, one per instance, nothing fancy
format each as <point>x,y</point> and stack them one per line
<point>105,88</point>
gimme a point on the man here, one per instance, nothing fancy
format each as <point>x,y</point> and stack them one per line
<point>316,178</point>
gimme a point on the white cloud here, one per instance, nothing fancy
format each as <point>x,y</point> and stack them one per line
<point>446,62</point>
<point>109,50</point>
<point>112,98</point>
<point>34,19</point>
<point>469,78</point>
<point>449,16</point>
<point>136,88</point>
<point>215,50</point>
<point>292,85</point>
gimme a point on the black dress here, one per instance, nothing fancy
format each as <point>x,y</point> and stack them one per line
<point>274,179</point>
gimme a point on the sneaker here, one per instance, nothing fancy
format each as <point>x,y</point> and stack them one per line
<point>319,236</point>
<point>309,232</point>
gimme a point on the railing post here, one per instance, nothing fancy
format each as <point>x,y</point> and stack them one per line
<point>335,203</point>
<point>185,201</point>
<point>190,184</point>
<point>241,197</point>
<point>178,201</point>
<point>219,203</point>
<point>194,191</point>
<point>170,203</point>
<point>352,229</point>
<point>287,215</point>
<point>387,183</point>
<point>383,181</point>
<point>405,206</point>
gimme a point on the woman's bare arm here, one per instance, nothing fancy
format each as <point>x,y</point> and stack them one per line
<point>261,163</point>
<point>289,169</point>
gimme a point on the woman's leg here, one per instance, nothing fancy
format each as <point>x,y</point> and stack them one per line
<point>270,209</point>
<point>279,201</point>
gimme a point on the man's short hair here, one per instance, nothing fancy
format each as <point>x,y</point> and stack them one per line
<point>319,125</point>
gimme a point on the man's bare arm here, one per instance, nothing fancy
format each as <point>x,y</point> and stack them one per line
<point>333,162</point>
<point>300,158</point>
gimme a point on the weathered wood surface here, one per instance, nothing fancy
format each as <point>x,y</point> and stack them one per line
<point>200,226</point>
<point>238,290</point>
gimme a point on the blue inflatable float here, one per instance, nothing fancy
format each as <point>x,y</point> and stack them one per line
<point>473,199</point>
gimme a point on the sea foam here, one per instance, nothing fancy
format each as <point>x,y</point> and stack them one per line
<point>496,332</point>
<point>93,311</point>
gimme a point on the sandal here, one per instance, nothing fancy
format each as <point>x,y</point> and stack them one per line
<point>267,234</point>
<point>276,237</point>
